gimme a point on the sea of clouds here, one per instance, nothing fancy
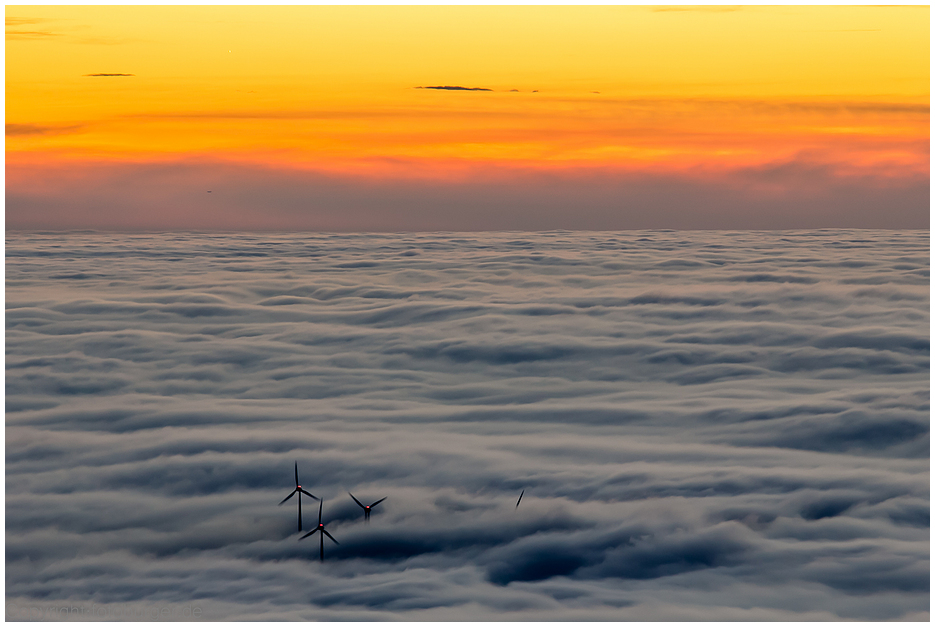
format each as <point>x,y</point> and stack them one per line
<point>708,425</point>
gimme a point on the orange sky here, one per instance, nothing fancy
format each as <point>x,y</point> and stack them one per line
<point>681,91</point>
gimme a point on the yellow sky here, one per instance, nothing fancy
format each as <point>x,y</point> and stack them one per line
<point>330,85</point>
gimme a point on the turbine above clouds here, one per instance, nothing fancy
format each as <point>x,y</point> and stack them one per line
<point>367,508</point>
<point>300,491</point>
<point>324,532</point>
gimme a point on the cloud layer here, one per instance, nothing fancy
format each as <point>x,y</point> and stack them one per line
<point>388,195</point>
<point>707,425</point>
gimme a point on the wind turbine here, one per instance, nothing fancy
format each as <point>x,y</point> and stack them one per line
<point>300,491</point>
<point>367,507</point>
<point>324,532</point>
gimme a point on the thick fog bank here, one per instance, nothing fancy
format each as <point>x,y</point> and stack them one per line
<point>707,425</point>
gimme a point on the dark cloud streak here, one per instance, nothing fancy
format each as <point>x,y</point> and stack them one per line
<point>454,88</point>
<point>25,130</point>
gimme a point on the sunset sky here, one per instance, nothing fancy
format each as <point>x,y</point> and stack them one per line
<point>327,117</point>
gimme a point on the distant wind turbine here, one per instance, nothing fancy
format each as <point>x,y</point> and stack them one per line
<point>367,507</point>
<point>324,532</point>
<point>300,491</point>
<point>520,497</point>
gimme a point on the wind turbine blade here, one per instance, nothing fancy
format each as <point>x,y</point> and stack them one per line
<point>356,501</point>
<point>307,493</point>
<point>309,533</point>
<point>297,473</point>
<point>520,497</point>
<point>287,498</point>
<point>325,531</point>
<point>320,503</point>
<point>378,502</point>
